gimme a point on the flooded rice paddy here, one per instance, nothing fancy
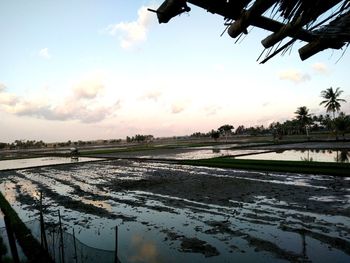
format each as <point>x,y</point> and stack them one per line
<point>40,161</point>
<point>175,213</point>
<point>339,156</point>
<point>196,154</point>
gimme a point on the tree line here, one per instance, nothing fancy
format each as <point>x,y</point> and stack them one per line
<point>304,122</point>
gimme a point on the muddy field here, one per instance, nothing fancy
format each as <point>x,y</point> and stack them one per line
<point>172,213</point>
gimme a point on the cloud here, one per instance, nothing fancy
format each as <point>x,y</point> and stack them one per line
<point>78,111</point>
<point>82,105</point>
<point>178,106</point>
<point>294,76</point>
<point>320,68</point>
<point>88,89</point>
<point>211,110</point>
<point>135,32</point>
<point>6,99</point>
<point>151,95</point>
<point>44,53</point>
<point>2,87</point>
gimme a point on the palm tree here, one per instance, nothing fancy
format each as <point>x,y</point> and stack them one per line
<point>332,100</point>
<point>303,116</point>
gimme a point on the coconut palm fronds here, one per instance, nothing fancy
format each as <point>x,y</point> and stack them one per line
<point>291,10</point>
<point>338,29</point>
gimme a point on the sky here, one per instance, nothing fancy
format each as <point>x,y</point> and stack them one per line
<point>90,69</point>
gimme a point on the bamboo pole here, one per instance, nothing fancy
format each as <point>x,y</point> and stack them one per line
<point>12,240</point>
<point>224,9</point>
<point>53,245</point>
<point>61,238</point>
<point>314,47</point>
<point>75,247</point>
<point>116,260</point>
<point>297,25</point>
<point>241,24</point>
<point>42,224</point>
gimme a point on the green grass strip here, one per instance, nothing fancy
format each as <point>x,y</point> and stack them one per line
<point>30,246</point>
<point>337,169</point>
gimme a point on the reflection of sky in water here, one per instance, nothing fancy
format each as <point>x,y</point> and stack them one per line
<point>144,240</point>
<point>41,161</point>
<point>298,155</point>
<point>202,154</point>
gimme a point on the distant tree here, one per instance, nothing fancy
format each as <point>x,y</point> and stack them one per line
<point>304,117</point>
<point>198,134</point>
<point>226,130</point>
<point>276,130</point>
<point>342,123</point>
<point>215,135</point>
<point>240,129</point>
<point>327,122</point>
<point>331,100</point>
<point>3,145</point>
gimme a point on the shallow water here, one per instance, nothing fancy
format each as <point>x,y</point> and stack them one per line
<point>303,155</point>
<point>40,161</point>
<point>202,153</point>
<point>279,217</point>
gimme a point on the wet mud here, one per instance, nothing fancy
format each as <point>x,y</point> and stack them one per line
<point>195,212</point>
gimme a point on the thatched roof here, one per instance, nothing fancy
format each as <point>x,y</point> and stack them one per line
<point>322,24</point>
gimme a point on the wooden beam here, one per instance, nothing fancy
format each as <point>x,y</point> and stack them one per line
<point>316,46</point>
<point>221,7</point>
<point>241,24</point>
<point>301,21</point>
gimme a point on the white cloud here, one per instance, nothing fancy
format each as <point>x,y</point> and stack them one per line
<point>294,76</point>
<point>151,95</point>
<point>135,32</point>
<point>179,106</point>
<point>82,105</point>
<point>7,99</point>
<point>88,89</point>
<point>2,87</point>
<point>211,110</point>
<point>44,53</point>
<point>320,68</point>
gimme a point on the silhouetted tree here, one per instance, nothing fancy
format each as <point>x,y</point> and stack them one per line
<point>304,117</point>
<point>342,123</point>
<point>331,100</point>
<point>226,130</point>
<point>215,135</point>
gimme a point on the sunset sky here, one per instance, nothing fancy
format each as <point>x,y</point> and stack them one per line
<point>89,69</point>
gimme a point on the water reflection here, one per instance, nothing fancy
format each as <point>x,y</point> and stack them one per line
<point>40,161</point>
<point>216,150</point>
<point>143,250</point>
<point>308,155</point>
<point>342,156</point>
<point>264,220</point>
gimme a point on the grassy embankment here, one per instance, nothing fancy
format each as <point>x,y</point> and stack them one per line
<point>337,169</point>
<point>28,243</point>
